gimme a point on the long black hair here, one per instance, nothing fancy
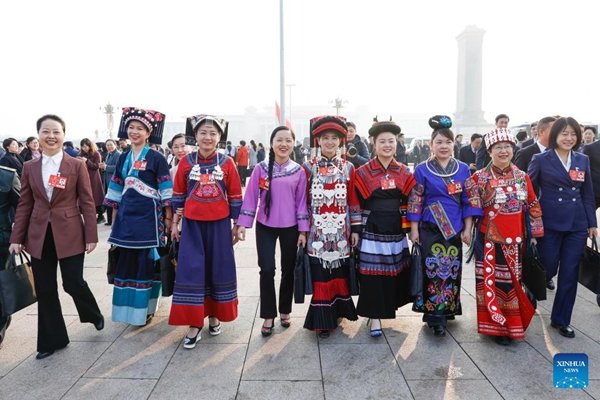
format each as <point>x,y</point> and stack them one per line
<point>271,161</point>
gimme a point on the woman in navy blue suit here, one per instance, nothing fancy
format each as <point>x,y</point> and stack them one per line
<point>562,181</point>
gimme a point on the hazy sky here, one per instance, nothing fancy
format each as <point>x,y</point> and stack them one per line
<point>188,57</point>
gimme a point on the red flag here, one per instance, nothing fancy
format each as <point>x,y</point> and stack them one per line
<point>278,115</point>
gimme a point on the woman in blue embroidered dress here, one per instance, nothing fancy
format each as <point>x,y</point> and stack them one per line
<point>438,211</point>
<point>140,193</point>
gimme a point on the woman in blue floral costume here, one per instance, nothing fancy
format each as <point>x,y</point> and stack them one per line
<point>438,211</point>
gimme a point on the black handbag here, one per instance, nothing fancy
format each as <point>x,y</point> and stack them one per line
<point>353,283</point>
<point>589,268</point>
<point>299,276</point>
<point>534,274</point>
<point>308,283</point>
<point>416,271</point>
<point>168,263</point>
<point>17,289</point>
<point>111,266</point>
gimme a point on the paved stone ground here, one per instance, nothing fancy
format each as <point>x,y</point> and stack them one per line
<point>125,362</point>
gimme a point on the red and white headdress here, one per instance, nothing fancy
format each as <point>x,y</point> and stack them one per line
<point>499,135</point>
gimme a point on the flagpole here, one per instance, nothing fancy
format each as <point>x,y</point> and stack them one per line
<point>281,67</point>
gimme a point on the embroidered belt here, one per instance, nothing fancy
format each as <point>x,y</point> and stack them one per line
<point>140,187</point>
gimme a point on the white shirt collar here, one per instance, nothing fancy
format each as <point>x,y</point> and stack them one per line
<point>541,146</point>
<point>55,159</point>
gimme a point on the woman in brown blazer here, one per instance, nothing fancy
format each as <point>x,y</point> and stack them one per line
<point>56,223</point>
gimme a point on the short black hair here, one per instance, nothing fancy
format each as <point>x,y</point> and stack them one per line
<point>476,136</point>
<point>7,142</point>
<point>560,125</point>
<point>521,135</point>
<point>351,124</point>
<point>52,117</point>
<point>591,128</point>
<point>445,132</point>
<point>501,116</point>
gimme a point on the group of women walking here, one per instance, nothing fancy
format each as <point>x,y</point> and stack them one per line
<point>332,212</point>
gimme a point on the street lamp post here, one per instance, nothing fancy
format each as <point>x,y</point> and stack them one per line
<point>109,110</point>
<point>290,86</point>
<point>338,103</point>
<point>281,66</point>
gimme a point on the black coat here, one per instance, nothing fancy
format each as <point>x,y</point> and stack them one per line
<point>524,156</point>
<point>482,158</point>
<point>593,152</point>
<point>13,161</point>
<point>466,155</point>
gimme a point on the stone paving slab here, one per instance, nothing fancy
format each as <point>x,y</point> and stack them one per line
<point>289,390</point>
<point>421,355</point>
<point>518,371</point>
<point>288,354</point>
<point>453,389</point>
<point>52,377</point>
<point>361,372</point>
<point>140,352</point>
<point>210,371</point>
<point>110,389</point>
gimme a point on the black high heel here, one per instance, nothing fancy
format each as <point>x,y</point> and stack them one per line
<point>266,330</point>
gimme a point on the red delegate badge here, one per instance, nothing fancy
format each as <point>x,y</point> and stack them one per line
<point>263,183</point>
<point>387,184</point>
<point>205,179</point>
<point>576,175</point>
<point>454,188</point>
<point>140,165</point>
<point>57,181</point>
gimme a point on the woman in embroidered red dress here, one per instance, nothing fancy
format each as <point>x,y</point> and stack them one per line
<point>505,193</point>
<point>383,186</point>
<point>208,191</point>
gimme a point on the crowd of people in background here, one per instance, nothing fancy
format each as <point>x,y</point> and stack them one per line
<point>342,201</point>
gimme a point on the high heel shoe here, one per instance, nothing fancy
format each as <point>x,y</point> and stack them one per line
<point>190,342</point>
<point>267,330</point>
<point>286,322</point>
<point>377,332</point>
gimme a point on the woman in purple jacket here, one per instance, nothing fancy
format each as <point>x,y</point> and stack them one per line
<point>278,183</point>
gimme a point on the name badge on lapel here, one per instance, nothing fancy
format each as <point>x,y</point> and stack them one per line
<point>140,165</point>
<point>206,179</point>
<point>454,188</point>
<point>263,183</point>
<point>57,181</point>
<point>577,175</point>
<point>388,183</point>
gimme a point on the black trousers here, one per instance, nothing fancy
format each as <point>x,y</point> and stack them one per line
<point>266,239</point>
<point>52,331</point>
<point>243,173</point>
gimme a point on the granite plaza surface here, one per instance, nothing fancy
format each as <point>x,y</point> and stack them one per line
<point>408,362</point>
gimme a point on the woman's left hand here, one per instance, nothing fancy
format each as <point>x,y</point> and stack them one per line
<point>354,238</point>
<point>301,239</point>
<point>592,232</point>
<point>168,224</point>
<point>89,247</point>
